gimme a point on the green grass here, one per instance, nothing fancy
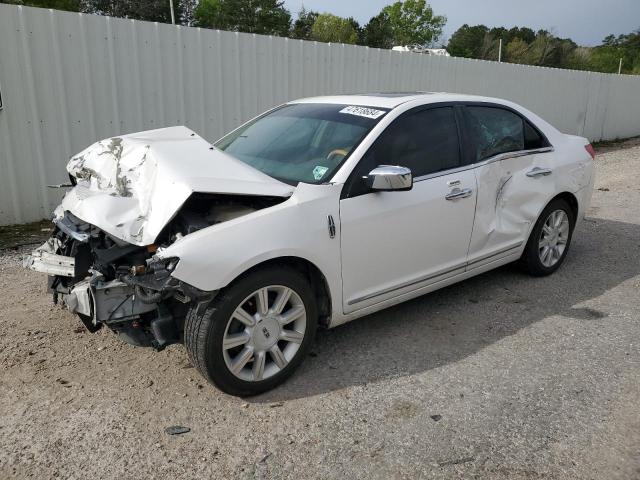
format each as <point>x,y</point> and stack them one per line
<point>608,145</point>
<point>14,236</point>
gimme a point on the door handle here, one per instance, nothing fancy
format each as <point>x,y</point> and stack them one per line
<point>457,193</point>
<point>539,172</point>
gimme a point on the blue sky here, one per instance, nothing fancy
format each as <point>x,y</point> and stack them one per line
<point>585,21</point>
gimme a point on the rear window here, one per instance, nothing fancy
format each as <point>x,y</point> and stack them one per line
<point>493,131</point>
<point>532,138</point>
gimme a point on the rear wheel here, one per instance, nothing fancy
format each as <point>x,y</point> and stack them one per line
<point>550,238</point>
<point>255,333</point>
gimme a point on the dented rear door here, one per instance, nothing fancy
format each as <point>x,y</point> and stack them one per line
<point>513,185</point>
<point>508,204</point>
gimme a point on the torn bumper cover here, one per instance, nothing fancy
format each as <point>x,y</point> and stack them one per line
<point>44,259</point>
<point>142,304</point>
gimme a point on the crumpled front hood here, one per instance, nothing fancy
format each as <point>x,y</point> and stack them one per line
<point>131,186</point>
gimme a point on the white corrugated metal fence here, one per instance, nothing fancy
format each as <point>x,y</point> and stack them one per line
<point>69,79</point>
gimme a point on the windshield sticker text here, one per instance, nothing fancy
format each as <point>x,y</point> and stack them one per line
<point>363,112</point>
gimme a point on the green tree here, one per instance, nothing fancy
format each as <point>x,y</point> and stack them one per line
<point>331,28</point>
<point>543,49</point>
<point>187,12</point>
<point>303,25</point>
<point>378,33</point>
<point>413,22</point>
<point>489,47</point>
<point>579,58</point>
<point>523,33</point>
<point>358,29</point>
<point>517,51</point>
<point>149,10</point>
<point>606,57</point>
<point>523,45</point>
<point>266,17</point>
<point>631,46</point>
<point>565,53</point>
<point>467,41</point>
<point>207,13</point>
<point>68,5</point>
<point>519,45</point>
<point>478,41</point>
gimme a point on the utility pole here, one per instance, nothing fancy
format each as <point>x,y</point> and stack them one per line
<point>500,51</point>
<point>173,18</point>
<point>620,67</point>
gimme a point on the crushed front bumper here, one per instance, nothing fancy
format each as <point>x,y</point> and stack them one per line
<point>94,299</point>
<point>45,260</point>
<point>105,302</point>
<point>145,307</point>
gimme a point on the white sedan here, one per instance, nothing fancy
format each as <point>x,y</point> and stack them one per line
<point>313,214</point>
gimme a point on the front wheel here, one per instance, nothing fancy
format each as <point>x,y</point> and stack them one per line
<point>255,333</point>
<point>550,238</point>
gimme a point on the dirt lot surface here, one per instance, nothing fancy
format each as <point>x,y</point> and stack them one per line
<point>607,146</point>
<point>502,376</point>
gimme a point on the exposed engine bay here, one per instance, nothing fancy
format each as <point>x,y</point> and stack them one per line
<point>107,281</point>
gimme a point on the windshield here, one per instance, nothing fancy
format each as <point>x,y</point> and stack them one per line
<point>304,142</point>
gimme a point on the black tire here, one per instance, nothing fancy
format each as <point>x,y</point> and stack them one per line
<point>530,261</point>
<point>206,323</point>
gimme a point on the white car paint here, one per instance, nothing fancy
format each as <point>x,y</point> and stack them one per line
<point>294,228</point>
<point>410,239</point>
<point>510,202</point>
<point>379,238</point>
<point>131,186</point>
<point>388,246</point>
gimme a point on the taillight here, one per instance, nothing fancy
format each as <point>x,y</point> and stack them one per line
<point>592,152</point>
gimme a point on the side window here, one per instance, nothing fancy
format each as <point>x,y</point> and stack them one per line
<point>532,139</point>
<point>493,131</point>
<point>425,141</point>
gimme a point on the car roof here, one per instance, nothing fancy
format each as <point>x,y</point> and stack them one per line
<point>393,99</point>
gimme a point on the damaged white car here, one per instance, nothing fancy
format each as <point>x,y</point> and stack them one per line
<point>318,212</point>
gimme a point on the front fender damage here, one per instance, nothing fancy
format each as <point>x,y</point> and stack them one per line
<point>136,306</point>
<point>130,288</point>
<point>133,196</point>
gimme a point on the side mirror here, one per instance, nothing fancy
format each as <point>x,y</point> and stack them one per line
<point>388,178</point>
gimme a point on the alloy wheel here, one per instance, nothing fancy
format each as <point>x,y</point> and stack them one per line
<point>553,238</point>
<point>264,333</point>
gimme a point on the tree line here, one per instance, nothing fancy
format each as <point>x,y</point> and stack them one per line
<point>542,48</point>
<point>401,23</point>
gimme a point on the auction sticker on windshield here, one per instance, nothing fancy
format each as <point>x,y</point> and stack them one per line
<point>363,111</point>
<point>319,172</point>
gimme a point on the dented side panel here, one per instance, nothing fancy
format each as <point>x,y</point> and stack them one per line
<point>510,201</point>
<point>212,258</point>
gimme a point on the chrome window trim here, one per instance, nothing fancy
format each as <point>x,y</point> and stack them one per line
<point>495,158</point>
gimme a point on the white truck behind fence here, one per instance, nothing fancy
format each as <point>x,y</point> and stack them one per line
<point>69,79</point>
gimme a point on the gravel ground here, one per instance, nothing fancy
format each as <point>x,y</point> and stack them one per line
<point>502,376</point>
